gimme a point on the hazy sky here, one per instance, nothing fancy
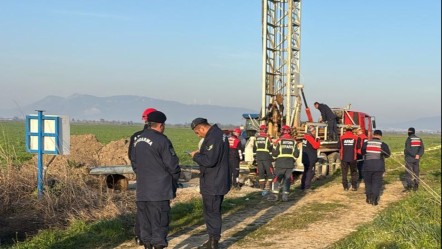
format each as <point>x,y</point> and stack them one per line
<point>382,56</point>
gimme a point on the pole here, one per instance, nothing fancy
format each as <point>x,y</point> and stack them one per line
<point>40,154</point>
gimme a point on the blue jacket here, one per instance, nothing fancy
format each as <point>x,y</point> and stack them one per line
<point>213,159</point>
<point>156,165</point>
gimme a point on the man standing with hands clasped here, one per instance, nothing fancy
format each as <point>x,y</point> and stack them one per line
<point>414,149</point>
<point>215,176</point>
<point>156,165</point>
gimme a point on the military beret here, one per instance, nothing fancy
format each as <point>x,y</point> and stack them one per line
<point>197,122</point>
<point>377,132</point>
<point>156,117</point>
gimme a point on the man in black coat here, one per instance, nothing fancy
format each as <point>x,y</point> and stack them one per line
<point>215,180</point>
<point>330,118</point>
<point>414,150</point>
<point>146,112</point>
<point>157,168</point>
<point>374,151</point>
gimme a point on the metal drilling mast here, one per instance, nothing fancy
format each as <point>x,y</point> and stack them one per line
<point>281,37</point>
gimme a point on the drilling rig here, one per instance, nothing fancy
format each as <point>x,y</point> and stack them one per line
<point>282,88</point>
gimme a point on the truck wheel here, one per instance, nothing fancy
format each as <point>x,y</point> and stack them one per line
<point>334,162</point>
<point>322,166</point>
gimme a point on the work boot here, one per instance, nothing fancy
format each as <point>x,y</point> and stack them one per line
<point>375,201</point>
<point>272,197</point>
<point>368,199</point>
<point>264,193</point>
<point>138,241</point>
<point>207,244</point>
<point>285,197</point>
<point>262,185</point>
<point>415,187</point>
<point>213,243</point>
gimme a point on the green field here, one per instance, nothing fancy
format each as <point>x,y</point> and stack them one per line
<point>413,222</point>
<point>12,139</point>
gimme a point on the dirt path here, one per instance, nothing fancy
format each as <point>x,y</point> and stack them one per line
<point>320,234</point>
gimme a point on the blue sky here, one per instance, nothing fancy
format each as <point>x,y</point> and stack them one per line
<point>383,57</point>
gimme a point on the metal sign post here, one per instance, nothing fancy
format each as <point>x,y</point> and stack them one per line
<point>40,154</point>
<point>46,134</point>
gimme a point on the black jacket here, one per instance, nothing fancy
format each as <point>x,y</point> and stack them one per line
<point>374,152</point>
<point>156,165</point>
<point>413,146</point>
<point>213,159</point>
<point>132,140</point>
<point>326,113</point>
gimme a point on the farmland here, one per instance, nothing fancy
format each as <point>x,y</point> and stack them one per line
<point>401,221</point>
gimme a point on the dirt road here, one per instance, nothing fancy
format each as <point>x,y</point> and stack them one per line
<point>319,234</point>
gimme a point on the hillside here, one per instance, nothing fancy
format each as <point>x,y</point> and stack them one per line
<point>128,108</point>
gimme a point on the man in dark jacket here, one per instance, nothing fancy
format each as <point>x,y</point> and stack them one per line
<point>146,112</point>
<point>414,150</point>
<point>310,146</point>
<point>374,152</point>
<point>328,116</point>
<point>157,168</point>
<point>348,149</point>
<point>215,176</point>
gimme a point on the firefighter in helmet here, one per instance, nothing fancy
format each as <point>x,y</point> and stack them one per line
<point>285,151</point>
<point>263,149</point>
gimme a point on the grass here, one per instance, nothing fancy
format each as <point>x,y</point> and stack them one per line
<point>414,222</point>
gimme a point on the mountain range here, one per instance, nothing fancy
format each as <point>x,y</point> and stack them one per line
<point>128,108</point>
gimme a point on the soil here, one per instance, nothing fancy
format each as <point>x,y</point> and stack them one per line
<point>86,151</point>
<point>320,234</point>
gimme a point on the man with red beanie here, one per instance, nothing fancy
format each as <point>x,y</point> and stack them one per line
<point>144,115</point>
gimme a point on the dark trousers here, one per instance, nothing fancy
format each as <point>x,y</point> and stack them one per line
<point>282,177</point>
<point>212,214</point>
<point>234,169</point>
<point>360,164</point>
<point>137,226</point>
<point>265,173</point>
<point>412,178</point>
<point>353,172</point>
<point>154,218</point>
<point>332,126</point>
<point>373,183</point>
<point>264,169</point>
<point>309,172</point>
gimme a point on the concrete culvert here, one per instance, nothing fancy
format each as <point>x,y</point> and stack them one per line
<point>117,182</point>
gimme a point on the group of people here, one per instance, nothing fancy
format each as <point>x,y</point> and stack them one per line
<point>157,168</point>
<point>275,181</point>
<point>359,154</point>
